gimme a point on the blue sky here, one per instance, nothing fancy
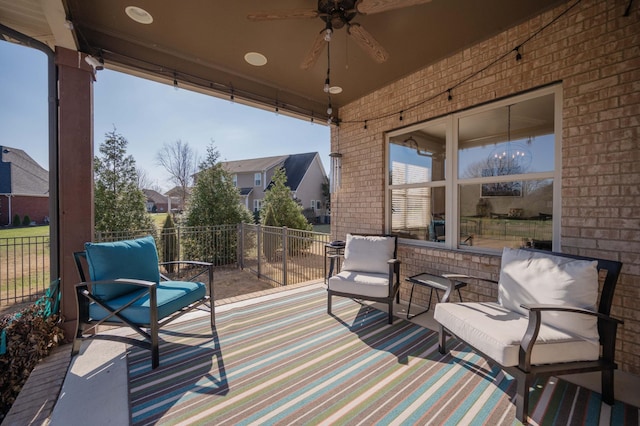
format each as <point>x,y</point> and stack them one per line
<point>148,114</point>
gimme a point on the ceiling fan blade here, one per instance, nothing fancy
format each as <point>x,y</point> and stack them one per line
<point>368,43</point>
<point>271,15</point>
<point>314,53</point>
<point>367,7</point>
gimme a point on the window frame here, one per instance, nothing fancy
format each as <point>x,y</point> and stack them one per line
<point>257,179</point>
<point>452,182</point>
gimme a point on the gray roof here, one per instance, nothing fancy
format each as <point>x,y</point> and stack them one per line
<point>295,166</point>
<point>154,196</point>
<point>254,164</point>
<point>21,175</point>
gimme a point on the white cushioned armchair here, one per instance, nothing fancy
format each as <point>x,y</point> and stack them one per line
<point>370,271</point>
<point>547,320</point>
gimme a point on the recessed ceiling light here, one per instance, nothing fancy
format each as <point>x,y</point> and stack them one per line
<point>138,14</point>
<point>334,90</point>
<point>255,59</point>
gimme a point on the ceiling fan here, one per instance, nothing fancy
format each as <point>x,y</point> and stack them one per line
<point>337,14</point>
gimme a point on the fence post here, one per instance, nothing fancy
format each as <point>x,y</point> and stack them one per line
<point>240,254</point>
<point>259,235</point>
<point>178,241</point>
<point>284,254</point>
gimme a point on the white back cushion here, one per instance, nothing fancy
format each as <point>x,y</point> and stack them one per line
<point>368,253</point>
<point>540,278</point>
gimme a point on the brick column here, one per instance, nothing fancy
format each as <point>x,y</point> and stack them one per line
<point>75,171</point>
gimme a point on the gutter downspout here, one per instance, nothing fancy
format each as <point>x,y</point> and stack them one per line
<point>52,89</point>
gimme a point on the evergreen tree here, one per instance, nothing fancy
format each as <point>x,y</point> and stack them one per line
<point>214,199</point>
<point>279,208</point>
<point>119,203</point>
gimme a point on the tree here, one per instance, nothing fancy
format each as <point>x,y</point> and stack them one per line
<point>170,247</point>
<point>279,208</point>
<point>180,161</point>
<point>119,203</point>
<point>214,201</point>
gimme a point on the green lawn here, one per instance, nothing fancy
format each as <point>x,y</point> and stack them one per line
<point>26,231</point>
<point>159,218</point>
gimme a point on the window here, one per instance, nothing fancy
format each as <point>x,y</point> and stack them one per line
<point>257,178</point>
<point>257,205</point>
<point>235,180</point>
<point>316,205</point>
<point>487,177</point>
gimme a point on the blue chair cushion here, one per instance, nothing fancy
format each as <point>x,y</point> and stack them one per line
<point>133,259</point>
<point>172,296</point>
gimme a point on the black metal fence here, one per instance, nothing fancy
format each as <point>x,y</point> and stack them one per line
<point>24,269</point>
<point>281,255</point>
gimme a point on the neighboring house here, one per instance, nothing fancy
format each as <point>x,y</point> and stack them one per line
<point>24,187</point>
<point>177,196</point>
<point>156,202</point>
<point>305,176</point>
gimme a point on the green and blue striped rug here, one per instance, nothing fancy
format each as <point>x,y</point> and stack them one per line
<point>285,361</point>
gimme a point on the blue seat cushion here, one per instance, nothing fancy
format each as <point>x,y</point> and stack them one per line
<point>134,259</point>
<point>172,296</point>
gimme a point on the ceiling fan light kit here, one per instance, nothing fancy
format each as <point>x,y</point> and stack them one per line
<point>337,14</point>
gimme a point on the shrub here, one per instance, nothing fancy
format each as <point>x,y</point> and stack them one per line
<point>169,242</point>
<point>16,220</point>
<point>26,220</point>
<point>30,336</point>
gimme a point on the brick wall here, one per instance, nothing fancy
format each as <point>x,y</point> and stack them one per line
<point>594,52</point>
<point>37,208</point>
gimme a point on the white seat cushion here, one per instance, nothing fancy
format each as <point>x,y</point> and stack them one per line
<point>540,278</point>
<point>497,332</point>
<point>360,283</point>
<point>368,253</point>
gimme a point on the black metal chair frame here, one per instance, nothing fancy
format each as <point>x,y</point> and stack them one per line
<point>394,283</point>
<point>88,328</point>
<point>525,373</point>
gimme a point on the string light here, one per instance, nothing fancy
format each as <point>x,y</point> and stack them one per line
<point>479,71</point>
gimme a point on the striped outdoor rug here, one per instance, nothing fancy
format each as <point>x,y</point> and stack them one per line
<point>286,361</point>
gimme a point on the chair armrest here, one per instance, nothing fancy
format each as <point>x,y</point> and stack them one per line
<point>187,262</point>
<point>394,267</point>
<point>206,266</point>
<point>566,308</point>
<point>82,289</point>
<point>141,283</point>
<point>607,331</point>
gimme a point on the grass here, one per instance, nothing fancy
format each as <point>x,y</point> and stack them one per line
<point>158,219</point>
<point>26,231</point>
<point>24,257</point>
<point>324,228</point>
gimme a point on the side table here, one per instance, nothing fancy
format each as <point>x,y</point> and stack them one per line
<point>433,282</point>
<point>333,248</point>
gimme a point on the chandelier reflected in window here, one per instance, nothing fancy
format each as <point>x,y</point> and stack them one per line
<point>510,158</point>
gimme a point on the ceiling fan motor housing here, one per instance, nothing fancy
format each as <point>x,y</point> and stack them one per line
<point>337,13</point>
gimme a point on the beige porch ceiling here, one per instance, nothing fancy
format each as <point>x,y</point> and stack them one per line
<point>202,43</point>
